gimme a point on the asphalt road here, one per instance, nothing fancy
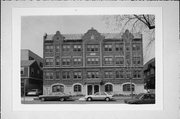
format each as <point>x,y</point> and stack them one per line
<point>30,100</point>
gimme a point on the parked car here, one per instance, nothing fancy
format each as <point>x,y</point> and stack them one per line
<point>55,97</point>
<point>99,96</point>
<point>34,92</point>
<point>142,98</point>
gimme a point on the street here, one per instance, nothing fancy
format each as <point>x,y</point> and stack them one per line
<point>74,100</point>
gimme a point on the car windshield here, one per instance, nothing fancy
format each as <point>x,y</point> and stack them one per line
<point>139,96</point>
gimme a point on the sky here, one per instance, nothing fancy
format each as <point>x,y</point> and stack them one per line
<point>33,29</point>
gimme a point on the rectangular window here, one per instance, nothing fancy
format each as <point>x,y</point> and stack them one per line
<point>92,61</point>
<point>77,61</point>
<point>136,60</point>
<point>66,75</point>
<point>119,61</point>
<point>108,60</point>
<point>48,48</point>
<point>108,74</point>
<point>57,48</point>
<point>136,46</point>
<point>57,75</point>
<point>49,75</point>
<point>57,61</point>
<point>49,61</point>
<point>92,74</point>
<point>66,48</point>
<point>119,47</point>
<point>93,48</point>
<point>108,47</point>
<point>77,48</point>
<point>128,74</point>
<point>66,61</point>
<point>22,70</point>
<point>120,74</point>
<point>77,75</point>
<point>137,74</point>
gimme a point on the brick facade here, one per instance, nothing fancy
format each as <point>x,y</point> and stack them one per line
<point>92,60</point>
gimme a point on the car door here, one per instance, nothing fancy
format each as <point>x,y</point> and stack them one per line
<point>146,99</point>
<point>96,96</point>
<point>102,96</point>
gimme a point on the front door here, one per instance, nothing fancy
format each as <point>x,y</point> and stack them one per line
<point>89,90</point>
<point>96,88</point>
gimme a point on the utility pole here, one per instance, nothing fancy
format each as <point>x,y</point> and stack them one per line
<point>131,82</point>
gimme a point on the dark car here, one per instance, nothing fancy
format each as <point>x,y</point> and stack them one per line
<point>142,98</point>
<point>55,97</point>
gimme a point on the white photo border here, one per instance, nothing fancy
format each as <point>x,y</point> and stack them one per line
<point>17,13</point>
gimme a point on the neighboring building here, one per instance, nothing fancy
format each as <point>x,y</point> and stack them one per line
<point>149,74</point>
<point>29,55</point>
<point>31,71</point>
<point>92,62</point>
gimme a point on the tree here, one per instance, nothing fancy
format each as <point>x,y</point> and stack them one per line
<point>143,23</point>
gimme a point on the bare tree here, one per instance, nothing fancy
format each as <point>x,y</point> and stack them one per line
<point>143,23</point>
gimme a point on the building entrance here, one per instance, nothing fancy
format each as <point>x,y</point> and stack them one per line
<point>91,89</point>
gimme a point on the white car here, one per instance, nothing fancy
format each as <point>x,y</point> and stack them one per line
<point>33,92</point>
<point>99,96</point>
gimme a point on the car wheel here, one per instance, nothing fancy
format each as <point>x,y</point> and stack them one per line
<point>42,99</point>
<point>61,99</point>
<point>89,99</point>
<point>107,99</point>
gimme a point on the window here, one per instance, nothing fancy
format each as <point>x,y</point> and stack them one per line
<point>128,74</point>
<point>136,74</point>
<point>49,61</point>
<point>57,61</point>
<point>48,48</point>
<point>152,71</point>
<point>77,88</point>
<point>41,64</point>
<point>58,88</point>
<point>66,74</point>
<point>136,60</point>
<point>108,47</point>
<point>57,75</point>
<point>92,61</point>
<point>66,48</point>
<point>32,71</point>
<point>93,47</point>
<point>92,74</point>
<point>31,58</point>
<point>119,60</point>
<point>127,87</point>
<point>127,48</point>
<point>108,88</point>
<point>119,47</point>
<point>120,74</point>
<point>77,75</point>
<point>136,47</point>
<point>66,61</point>
<point>108,60</point>
<point>77,48</point>
<point>77,61</point>
<point>22,70</point>
<point>57,48</point>
<point>48,75</point>
<point>108,74</point>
